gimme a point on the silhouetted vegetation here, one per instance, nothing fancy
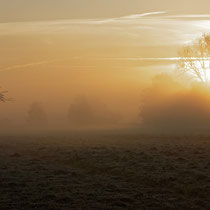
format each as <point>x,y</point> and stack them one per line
<point>3,97</point>
<point>195,59</point>
<point>80,112</point>
<point>167,106</point>
<point>84,113</point>
<point>36,115</point>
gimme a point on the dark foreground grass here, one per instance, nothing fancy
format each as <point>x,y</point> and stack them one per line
<point>104,172</point>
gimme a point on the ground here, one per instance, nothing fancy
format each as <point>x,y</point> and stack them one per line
<point>104,171</point>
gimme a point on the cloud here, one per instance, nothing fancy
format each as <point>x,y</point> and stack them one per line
<point>152,28</point>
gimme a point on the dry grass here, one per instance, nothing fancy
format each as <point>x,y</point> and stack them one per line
<point>104,171</point>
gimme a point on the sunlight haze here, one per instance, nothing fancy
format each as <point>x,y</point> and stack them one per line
<point>53,51</point>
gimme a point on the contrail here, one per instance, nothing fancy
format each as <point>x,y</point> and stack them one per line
<point>23,66</point>
<point>53,25</point>
<point>124,18</point>
<point>155,59</point>
<point>189,16</point>
<point>143,15</point>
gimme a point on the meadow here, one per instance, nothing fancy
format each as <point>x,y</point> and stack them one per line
<point>104,170</point>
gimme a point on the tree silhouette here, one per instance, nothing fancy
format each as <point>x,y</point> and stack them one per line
<point>81,112</point>
<point>36,114</point>
<point>195,58</point>
<point>3,97</point>
<point>84,112</point>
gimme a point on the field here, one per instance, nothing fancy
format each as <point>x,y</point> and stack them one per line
<point>104,171</point>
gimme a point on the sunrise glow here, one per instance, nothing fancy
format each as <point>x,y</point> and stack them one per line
<point>104,104</point>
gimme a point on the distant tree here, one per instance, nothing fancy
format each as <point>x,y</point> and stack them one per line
<point>36,114</point>
<point>195,58</point>
<point>80,112</point>
<point>83,112</point>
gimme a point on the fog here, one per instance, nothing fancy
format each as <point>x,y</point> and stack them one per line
<point>65,100</point>
<point>170,106</point>
<point>163,103</point>
<point>90,74</point>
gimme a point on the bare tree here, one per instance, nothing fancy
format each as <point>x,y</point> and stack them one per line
<point>3,97</point>
<point>195,59</point>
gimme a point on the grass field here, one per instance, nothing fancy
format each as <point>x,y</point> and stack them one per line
<point>104,171</point>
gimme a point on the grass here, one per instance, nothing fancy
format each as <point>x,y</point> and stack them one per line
<point>104,171</point>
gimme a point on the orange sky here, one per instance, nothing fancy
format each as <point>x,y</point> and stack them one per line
<point>52,51</point>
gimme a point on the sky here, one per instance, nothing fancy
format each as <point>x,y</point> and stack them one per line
<point>54,50</point>
<point>27,10</point>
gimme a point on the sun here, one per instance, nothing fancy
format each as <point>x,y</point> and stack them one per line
<point>202,68</point>
<point>198,68</point>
